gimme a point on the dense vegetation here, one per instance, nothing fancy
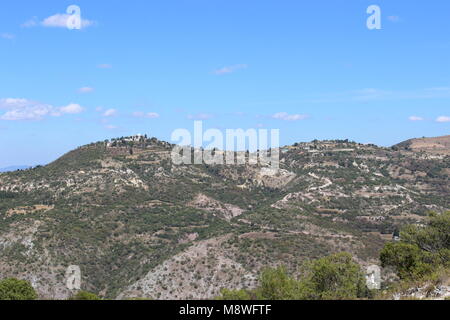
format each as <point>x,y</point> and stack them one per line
<point>422,252</point>
<point>334,277</point>
<point>122,212</point>
<point>84,295</point>
<point>14,289</point>
<point>422,249</point>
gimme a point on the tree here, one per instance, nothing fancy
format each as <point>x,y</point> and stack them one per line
<point>85,295</point>
<point>14,289</point>
<point>433,238</point>
<point>335,277</point>
<point>276,284</point>
<point>407,260</point>
<point>422,249</point>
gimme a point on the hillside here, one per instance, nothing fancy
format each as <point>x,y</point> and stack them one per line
<point>437,145</point>
<point>13,168</point>
<point>139,226</point>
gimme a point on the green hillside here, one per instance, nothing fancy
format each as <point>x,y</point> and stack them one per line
<point>139,226</point>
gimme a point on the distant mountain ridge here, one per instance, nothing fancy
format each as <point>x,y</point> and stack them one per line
<point>436,145</point>
<point>138,225</point>
<point>14,168</point>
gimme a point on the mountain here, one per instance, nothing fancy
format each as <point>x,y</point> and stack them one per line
<point>438,145</point>
<point>139,226</point>
<point>14,168</point>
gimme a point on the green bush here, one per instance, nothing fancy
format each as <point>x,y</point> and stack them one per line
<point>84,295</point>
<point>14,289</point>
<point>407,259</point>
<point>434,238</point>
<point>422,249</point>
<point>227,294</point>
<point>335,277</point>
<point>276,284</point>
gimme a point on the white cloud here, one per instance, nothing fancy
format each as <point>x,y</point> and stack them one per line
<point>7,36</point>
<point>415,118</point>
<point>110,113</point>
<point>149,115</point>
<point>230,69</point>
<point>152,115</point>
<point>380,95</point>
<point>365,95</point>
<point>370,94</point>
<point>86,90</point>
<point>111,127</point>
<point>72,108</point>
<point>289,117</point>
<point>24,109</point>
<point>443,119</point>
<point>200,116</point>
<point>13,103</point>
<point>104,66</point>
<point>59,20</point>
<point>30,23</point>
<point>37,112</point>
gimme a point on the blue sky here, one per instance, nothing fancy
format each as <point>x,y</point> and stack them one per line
<point>309,68</point>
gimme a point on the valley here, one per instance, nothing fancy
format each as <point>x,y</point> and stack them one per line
<point>139,226</point>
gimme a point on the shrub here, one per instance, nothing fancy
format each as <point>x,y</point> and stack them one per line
<point>407,259</point>
<point>234,295</point>
<point>84,295</point>
<point>14,289</point>
<point>276,284</point>
<point>422,249</point>
<point>335,277</point>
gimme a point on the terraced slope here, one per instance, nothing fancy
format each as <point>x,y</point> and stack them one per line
<point>137,225</point>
